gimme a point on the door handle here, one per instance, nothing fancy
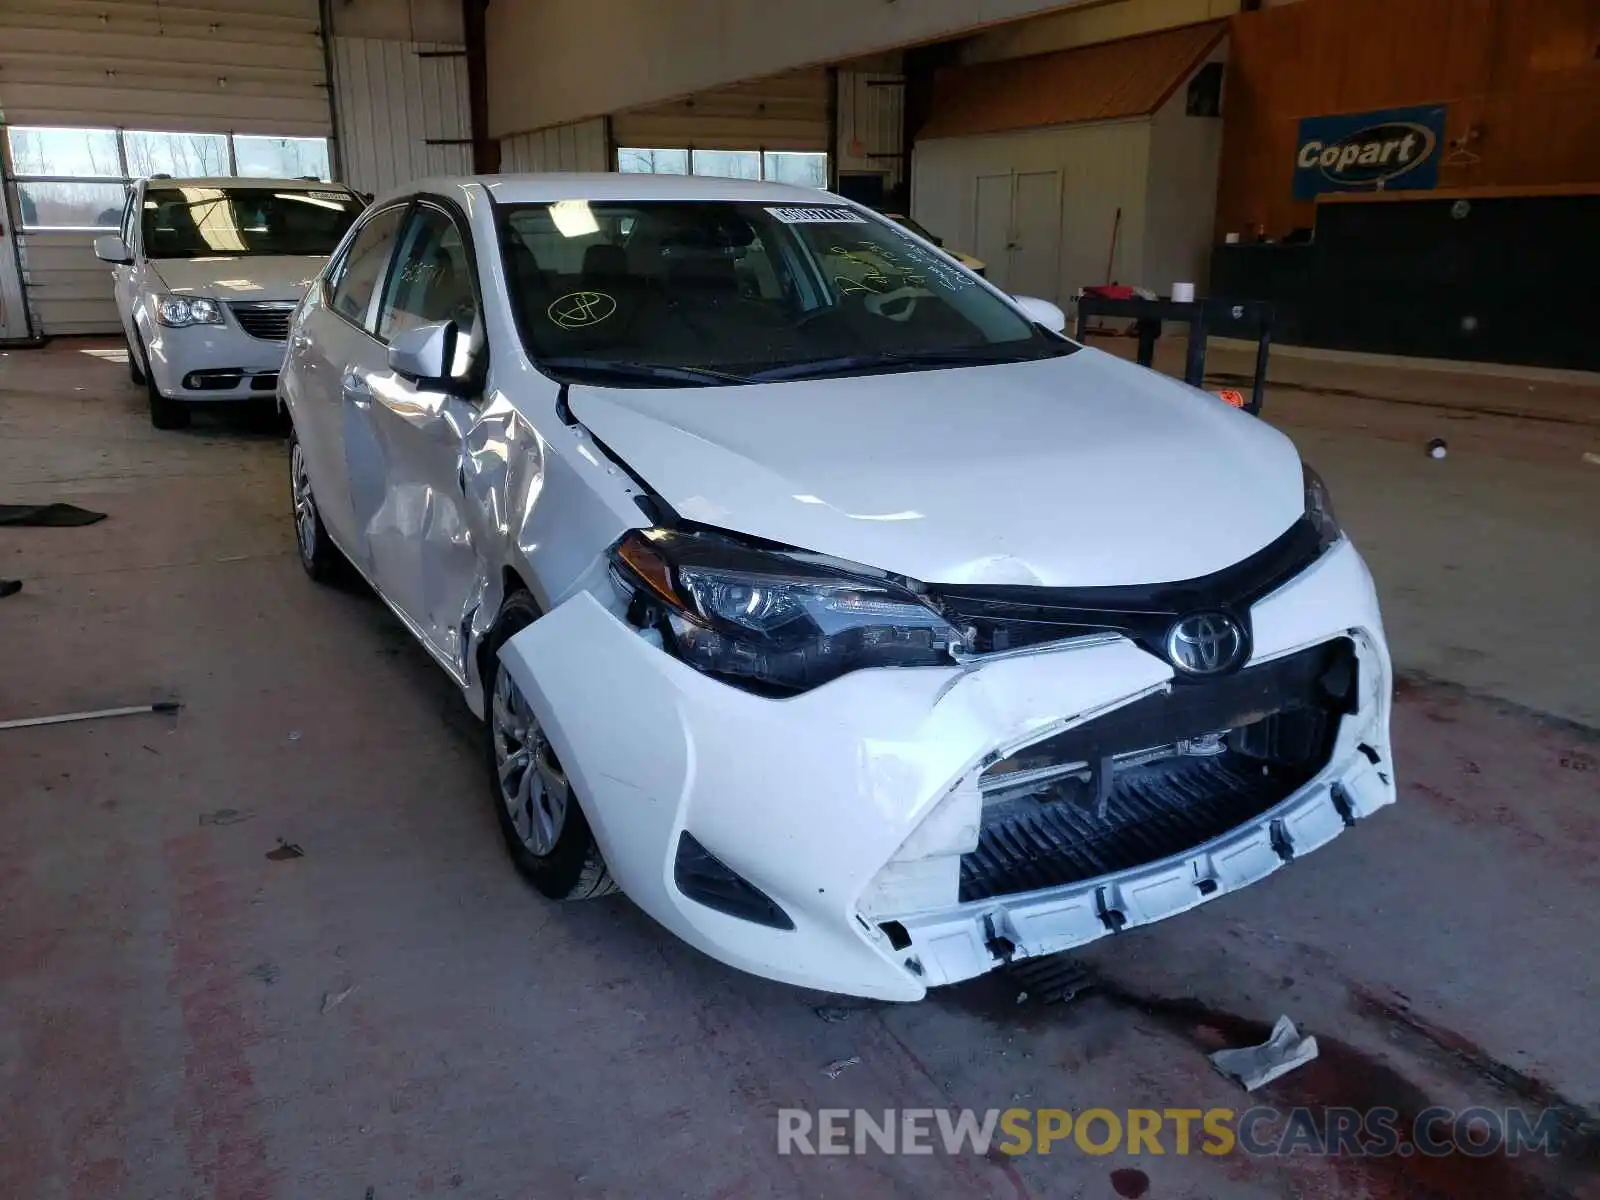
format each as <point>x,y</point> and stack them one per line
<point>355,388</point>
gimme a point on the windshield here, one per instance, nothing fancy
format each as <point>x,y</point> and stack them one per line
<point>656,293</point>
<point>915,228</point>
<point>198,222</point>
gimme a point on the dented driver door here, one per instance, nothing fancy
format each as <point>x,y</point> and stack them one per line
<point>420,543</point>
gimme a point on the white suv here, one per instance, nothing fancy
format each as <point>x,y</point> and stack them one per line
<point>207,274</point>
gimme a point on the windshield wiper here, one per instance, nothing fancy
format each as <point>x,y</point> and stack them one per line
<point>637,370</point>
<point>909,360</point>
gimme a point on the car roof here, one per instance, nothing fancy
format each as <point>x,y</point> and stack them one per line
<point>547,187</point>
<point>243,181</point>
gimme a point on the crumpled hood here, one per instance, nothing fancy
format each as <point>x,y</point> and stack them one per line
<point>240,277</point>
<point>1079,471</point>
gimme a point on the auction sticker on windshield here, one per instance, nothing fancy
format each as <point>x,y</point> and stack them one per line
<point>817,216</point>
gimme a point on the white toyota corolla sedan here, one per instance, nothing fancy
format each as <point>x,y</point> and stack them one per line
<point>863,629</point>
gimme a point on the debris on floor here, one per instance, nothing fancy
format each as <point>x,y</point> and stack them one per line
<point>56,515</point>
<point>833,1013</point>
<point>1281,1053</point>
<point>838,1067</point>
<point>266,972</point>
<point>1589,456</point>
<point>131,710</point>
<point>285,851</point>
<point>1053,979</point>
<point>1437,448</point>
<point>332,1000</point>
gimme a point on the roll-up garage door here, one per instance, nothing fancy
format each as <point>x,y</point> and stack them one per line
<point>117,69</point>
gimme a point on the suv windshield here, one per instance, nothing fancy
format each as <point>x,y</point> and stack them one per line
<point>653,293</point>
<point>198,222</point>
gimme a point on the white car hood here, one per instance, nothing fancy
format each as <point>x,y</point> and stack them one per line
<point>240,277</point>
<point>1078,471</point>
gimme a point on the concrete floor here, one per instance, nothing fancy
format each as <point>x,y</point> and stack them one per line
<point>394,1015</point>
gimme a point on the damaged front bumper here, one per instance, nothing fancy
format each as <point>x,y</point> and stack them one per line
<point>868,815</point>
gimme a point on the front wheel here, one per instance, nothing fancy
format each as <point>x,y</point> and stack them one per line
<point>545,830</point>
<point>167,414</point>
<point>135,368</point>
<point>318,555</point>
<point>164,413</point>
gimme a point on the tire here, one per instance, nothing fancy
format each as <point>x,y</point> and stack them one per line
<point>135,369</point>
<point>321,559</point>
<point>569,865</point>
<point>164,413</point>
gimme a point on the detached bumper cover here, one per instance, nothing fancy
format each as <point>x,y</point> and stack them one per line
<point>819,799</point>
<point>958,944</point>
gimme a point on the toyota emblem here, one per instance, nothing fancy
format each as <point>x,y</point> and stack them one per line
<point>1205,644</point>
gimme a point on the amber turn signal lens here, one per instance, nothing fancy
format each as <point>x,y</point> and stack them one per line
<point>649,566</point>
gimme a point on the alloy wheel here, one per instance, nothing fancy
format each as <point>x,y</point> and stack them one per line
<point>532,785</point>
<point>305,507</point>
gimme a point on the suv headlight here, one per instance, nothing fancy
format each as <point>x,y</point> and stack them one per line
<point>178,311</point>
<point>1319,509</point>
<point>768,621</point>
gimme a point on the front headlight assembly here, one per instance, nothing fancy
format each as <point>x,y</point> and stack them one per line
<point>772,622</point>
<point>1319,509</point>
<point>178,311</point>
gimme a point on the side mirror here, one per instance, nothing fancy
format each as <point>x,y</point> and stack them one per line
<point>112,249</point>
<point>421,354</point>
<point>1042,312</point>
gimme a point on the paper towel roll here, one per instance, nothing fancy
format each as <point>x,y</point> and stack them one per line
<point>1183,293</point>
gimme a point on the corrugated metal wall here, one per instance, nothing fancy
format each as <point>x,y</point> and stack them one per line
<point>871,124</point>
<point>251,66</point>
<point>785,112</point>
<point>245,66</point>
<point>402,109</point>
<point>577,147</point>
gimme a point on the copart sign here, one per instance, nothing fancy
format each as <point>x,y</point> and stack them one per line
<point>1391,148</point>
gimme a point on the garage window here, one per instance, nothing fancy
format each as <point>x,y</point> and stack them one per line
<point>634,161</point>
<point>67,178</point>
<point>281,158</point>
<point>70,178</point>
<point>808,169</point>
<point>184,155</point>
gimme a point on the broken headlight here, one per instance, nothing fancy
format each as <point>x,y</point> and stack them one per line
<point>1319,509</point>
<point>770,621</point>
